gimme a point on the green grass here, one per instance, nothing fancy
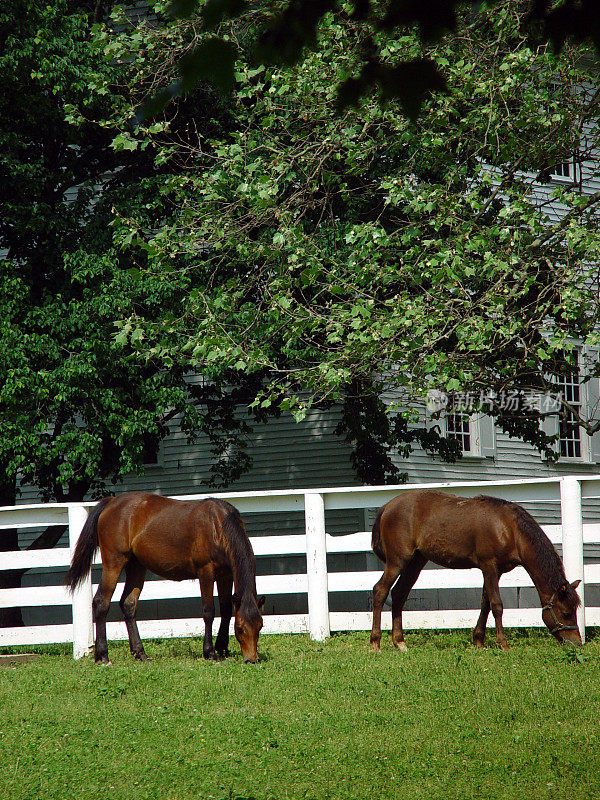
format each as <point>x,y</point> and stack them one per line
<point>312,720</point>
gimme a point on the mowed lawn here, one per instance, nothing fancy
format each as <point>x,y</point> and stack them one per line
<point>312,720</point>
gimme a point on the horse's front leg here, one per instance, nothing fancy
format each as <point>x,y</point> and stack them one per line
<point>490,584</point>
<point>225,587</point>
<point>207,586</point>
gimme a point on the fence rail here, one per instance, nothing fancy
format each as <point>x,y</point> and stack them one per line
<point>316,582</point>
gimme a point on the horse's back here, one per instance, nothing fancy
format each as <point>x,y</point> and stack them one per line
<point>173,538</point>
<point>448,530</point>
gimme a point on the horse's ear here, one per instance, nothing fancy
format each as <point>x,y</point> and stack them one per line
<point>235,598</point>
<point>563,591</point>
<point>261,603</point>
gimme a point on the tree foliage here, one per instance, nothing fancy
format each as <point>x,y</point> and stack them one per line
<point>77,412</point>
<point>291,28</point>
<point>354,257</point>
<point>288,253</point>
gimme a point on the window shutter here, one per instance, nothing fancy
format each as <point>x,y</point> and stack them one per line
<point>548,424</point>
<point>590,356</point>
<point>487,432</point>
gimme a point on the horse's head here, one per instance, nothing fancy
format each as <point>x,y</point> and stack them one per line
<point>247,625</point>
<point>560,614</point>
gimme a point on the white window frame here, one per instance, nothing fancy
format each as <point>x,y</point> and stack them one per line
<point>573,171</point>
<point>585,441</point>
<point>475,451</point>
<point>482,433</point>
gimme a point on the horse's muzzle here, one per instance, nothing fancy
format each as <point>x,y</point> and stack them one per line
<point>574,640</point>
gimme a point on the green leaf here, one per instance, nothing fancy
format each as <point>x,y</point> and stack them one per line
<point>156,104</point>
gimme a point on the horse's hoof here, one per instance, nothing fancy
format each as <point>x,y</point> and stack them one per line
<point>104,662</point>
<point>224,653</point>
<point>210,655</point>
<point>375,647</point>
<point>479,645</point>
<point>141,657</point>
<point>401,646</point>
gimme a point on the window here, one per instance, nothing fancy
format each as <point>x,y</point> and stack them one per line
<point>563,170</point>
<point>458,427</point>
<point>573,442</point>
<point>570,433</point>
<point>566,170</point>
<point>465,429</point>
<point>456,418</point>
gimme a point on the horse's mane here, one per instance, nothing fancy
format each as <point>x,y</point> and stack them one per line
<point>240,551</point>
<point>548,559</point>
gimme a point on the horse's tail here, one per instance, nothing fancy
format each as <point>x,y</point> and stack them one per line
<point>376,537</point>
<point>85,547</point>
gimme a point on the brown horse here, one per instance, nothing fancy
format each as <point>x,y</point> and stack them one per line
<point>484,532</point>
<point>137,531</point>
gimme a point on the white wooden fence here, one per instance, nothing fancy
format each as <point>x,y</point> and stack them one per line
<point>315,543</point>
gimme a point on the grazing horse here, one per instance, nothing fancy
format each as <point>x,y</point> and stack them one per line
<point>485,532</point>
<point>177,540</point>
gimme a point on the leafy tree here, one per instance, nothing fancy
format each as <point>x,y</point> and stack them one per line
<point>289,28</point>
<point>338,258</point>
<point>76,411</point>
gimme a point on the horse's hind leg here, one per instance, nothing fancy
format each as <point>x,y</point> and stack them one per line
<point>380,593</point>
<point>135,574</point>
<point>479,631</point>
<point>400,592</point>
<point>111,569</point>
<point>207,588</point>
<point>224,587</point>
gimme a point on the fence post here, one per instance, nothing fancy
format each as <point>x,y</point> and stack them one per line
<point>83,626</point>
<point>572,539</point>
<point>316,566</point>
